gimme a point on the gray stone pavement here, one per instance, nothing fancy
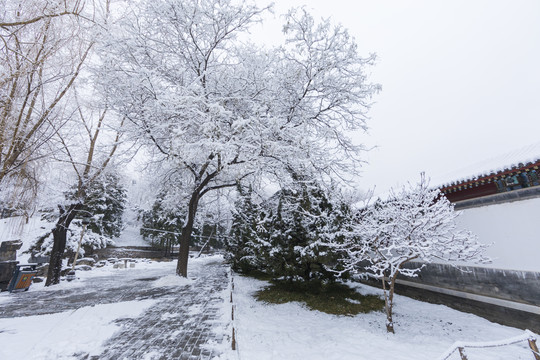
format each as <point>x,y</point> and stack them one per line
<point>176,327</point>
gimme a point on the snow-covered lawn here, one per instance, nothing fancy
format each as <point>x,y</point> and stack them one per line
<point>423,331</point>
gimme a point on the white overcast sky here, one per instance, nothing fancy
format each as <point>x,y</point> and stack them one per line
<point>461,81</point>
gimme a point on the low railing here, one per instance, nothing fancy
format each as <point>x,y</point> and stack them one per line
<point>233,337</point>
<point>460,346</point>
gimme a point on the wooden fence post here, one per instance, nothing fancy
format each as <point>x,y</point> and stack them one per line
<point>534,348</point>
<point>462,353</point>
<point>233,343</point>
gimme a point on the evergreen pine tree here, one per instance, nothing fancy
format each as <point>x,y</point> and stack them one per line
<point>104,203</point>
<point>161,227</point>
<point>294,237</point>
<point>243,246</point>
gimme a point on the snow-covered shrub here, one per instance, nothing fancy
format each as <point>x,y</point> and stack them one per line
<point>104,202</point>
<point>245,240</point>
<point>90,242</point>
<point>418,224</point>
<point>299,232</point>
<point>161,225</point>
<point>287,236</point>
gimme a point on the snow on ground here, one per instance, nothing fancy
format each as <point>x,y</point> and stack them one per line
<point>263,331</point>
<point>171,280</point>
<point>85,329</point>
<point>130,236</point>
<point>60,335</point>
<point>423,331</point>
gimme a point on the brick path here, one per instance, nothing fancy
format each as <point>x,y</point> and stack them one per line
<point>176,327</point>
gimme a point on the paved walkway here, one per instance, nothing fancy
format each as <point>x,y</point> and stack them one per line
<point>176,327</point>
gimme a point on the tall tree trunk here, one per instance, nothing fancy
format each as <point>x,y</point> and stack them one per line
<point>59,245</point>
<point>185,237</point>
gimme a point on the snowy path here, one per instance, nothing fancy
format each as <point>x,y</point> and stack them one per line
<point>179,320</point>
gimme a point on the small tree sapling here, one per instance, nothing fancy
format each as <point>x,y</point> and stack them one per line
<point>415,224</point>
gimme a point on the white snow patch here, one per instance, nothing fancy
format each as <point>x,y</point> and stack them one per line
<point>194,309</point>
<point>152,355</point>
<point>172,280</point>
<point>423,331</point>
<point>130,236</point>
<point>61,335</point>
<point>206,259</point>
<point>167,315</point>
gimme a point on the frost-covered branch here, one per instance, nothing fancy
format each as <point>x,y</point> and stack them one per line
<point>417,223</point>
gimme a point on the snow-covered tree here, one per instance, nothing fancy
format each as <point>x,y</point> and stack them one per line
<point>42,50</point>
<point>286,236</point>
<point>416,224</point>
<point>298,234</point>
<point>84,141</point>
<point>243,246</point>
<point>90,242</point>
<point>104,203</point>
<point>218,111</point>
<point>161,225</point>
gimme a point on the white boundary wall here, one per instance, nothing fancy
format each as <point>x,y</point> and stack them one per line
<point>514,230</point>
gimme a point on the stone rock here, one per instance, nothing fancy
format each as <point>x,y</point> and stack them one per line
<point>6,272</point>
<point>65,271</point>
<point>8,250</point>
<point>83,267</point>
<point>37,279</point>
<point>101,263</point>
<point>71,276</point>
<point>86,261</point>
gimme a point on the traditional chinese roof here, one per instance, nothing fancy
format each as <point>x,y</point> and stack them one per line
<point>511,163</point>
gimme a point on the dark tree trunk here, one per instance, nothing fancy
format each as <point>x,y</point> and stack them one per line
<point>59,244</point>
<point>185,237</point>
<point>307,272</point>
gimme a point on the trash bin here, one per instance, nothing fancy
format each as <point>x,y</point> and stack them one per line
<point>22,278</point>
